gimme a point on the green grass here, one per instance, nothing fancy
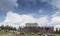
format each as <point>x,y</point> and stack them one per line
<point>57,34</point>
<point>3,33</point>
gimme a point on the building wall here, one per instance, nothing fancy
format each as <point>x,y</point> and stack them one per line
<point>37,29</point>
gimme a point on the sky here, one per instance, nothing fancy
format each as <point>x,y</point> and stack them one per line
<point>19,12</point>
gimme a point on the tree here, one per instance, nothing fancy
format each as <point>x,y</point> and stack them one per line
<point>7,27</point>
<point>14,28</point>
<point>19,28</point>
<point>2,27</point>
<point>57,32</point>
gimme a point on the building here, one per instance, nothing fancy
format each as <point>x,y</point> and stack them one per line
<point>34,28</point>
<point>31,25</point>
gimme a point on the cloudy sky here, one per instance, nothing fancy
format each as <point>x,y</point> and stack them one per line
<point>18,12</point>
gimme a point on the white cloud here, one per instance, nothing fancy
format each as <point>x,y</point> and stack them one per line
<point>56,17</point>
<point>56,14</point>
<point>12,16</point>
<point>8,4</point>
<point>16,19</point>
<point>56,3</point>
<point>43,21</point>
<point>56,20</point>
<point>13,19</point>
